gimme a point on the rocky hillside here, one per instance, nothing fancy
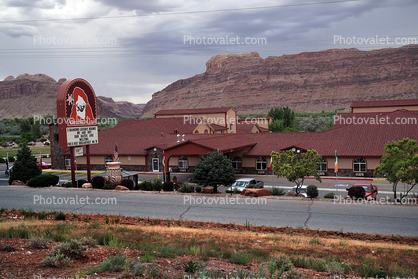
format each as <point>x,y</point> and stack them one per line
<point>29,95</point>
<point>310,81</point>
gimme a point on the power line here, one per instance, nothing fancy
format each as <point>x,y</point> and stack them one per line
<point>182,13</point>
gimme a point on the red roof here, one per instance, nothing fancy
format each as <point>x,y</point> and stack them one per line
<point>135,136</point>
<point>192,111</point>
<point>384,103</point>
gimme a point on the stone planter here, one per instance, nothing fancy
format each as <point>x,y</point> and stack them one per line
<point>113,173</point>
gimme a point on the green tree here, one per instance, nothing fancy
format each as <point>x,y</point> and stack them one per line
<point>25,126</point>
<point>36,130</point>
<point>400,164</point>
<point>24,168</point>
<point>296,167</point>
<point>283,113</point>
<point>277,125</point>
<point>27,137</point>
<point>213,169</point>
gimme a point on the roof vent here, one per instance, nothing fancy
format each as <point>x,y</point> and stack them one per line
<point>178,138</point>
<point>182,137</point>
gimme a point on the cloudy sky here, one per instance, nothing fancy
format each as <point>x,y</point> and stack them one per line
<point>128,50</point>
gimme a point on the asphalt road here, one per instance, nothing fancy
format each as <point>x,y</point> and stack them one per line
<point>364,218</point>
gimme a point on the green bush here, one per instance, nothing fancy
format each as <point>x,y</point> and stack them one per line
<point>329,195</point>
<point>109,186</point>
<point>2,161</point>
<point>312,191</point>
<point>68,185</point>
<point>277,191</point>
<point>184,187</point>
<point>58,260</point>
<point>335,268</point>
<point>157,185</point>
<point>146,185</point>
<point>98,182</point>
<point>43,139</point>
<point>198,189</point>
<point>11,159</point>
<point>60,216</point>
<point>127,183</point>
<point>44,180</point>
<point>240,258</point>
<point>38,243</point>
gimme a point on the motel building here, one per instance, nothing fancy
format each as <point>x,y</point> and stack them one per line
<point>181,137</point>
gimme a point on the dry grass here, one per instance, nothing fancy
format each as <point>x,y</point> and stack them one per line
<point>393,257</point>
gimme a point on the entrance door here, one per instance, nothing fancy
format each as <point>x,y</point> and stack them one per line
<point>155,165</point>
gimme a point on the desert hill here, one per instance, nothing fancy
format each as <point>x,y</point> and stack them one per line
<point>29,95</point>
<point>306,82</point>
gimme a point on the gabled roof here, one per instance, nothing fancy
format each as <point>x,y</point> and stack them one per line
<point>193,111</point>
<point>384,103</point>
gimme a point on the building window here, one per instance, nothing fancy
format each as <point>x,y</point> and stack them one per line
<point>108,159</point>
<point>223,132</point>
<point>183,163</point>
<point>236,163</point>
<point>322,166</point>
<point>231,127</point>
<point>261,163</point>
<point>206,131</point>
<point>196,131</point>
<point>359,164</point>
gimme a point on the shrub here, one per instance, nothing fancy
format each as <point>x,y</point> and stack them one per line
<point>146,185</point>
<point>71,249</point>
<point>184,187</point>
<point>41,216</point>
<point>68,184</point>
<point>312,191</point>
<point>58,260</point>
<point>277,191</point>
<point>2,161</point>
<point>251,185</point>
<point>356,192</point>
<point>60,216</point>
<point>335,268</point>
<point>103,238</point>
<point>98,182</point>
<point>157,185</point>
<point>38,243</point>
<point>198,189</point>
<point>240,258</point>
<point>329,195</point>
<point>88,241</point>
<point>127,183</point>
<point>285,263</point>
<point>44,180</point>
<point>109,186</point>
<point>11,159</point>
<point>168,186</point>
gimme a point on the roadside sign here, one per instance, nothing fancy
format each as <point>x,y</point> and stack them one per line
<point>79,151</point>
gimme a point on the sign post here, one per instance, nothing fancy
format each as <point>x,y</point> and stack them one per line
<point>77,119</point>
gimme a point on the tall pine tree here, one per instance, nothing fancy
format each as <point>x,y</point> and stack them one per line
<point>24,168</point>
<point>214,169</point>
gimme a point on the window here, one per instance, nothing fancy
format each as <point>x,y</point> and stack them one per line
<point>261,163</point>
<point>359,164</point>
<point>196,131</point>
<point>206,131</point>
<point>231,127</point>
<point>236,163</point>
<point>183,163</point>
<point>108,159</point>
<point>223,132</point>
<point>322,166</point>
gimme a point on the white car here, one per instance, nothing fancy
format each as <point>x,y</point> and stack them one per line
<point>242,183</point>
<point>302,190</point>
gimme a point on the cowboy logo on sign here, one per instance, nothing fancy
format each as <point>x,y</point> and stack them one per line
<point>81,112</point>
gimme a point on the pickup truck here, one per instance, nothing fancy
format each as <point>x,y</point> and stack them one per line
<point>371,190</point>
<point>242,183</point>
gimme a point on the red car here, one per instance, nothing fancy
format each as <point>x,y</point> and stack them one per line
<point>44,165</point>
<point>371,190</point>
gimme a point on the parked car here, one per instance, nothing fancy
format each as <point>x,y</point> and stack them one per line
<point>242,183</point>
<point>8,170</point>
<point>47,142</point>
<point>43,165</point>
<point>31,143</point>
<point>79,182</point>
<point>369,188</point>
<point>10,143</point>
<point>302,190</point>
